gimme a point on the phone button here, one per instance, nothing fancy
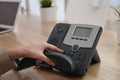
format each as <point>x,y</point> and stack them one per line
<point>75,48</point>
<point>85,39</point>
<point>67,52</point>
<point>59,29</point>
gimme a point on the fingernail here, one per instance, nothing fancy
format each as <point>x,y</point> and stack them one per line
<point>62,51</point>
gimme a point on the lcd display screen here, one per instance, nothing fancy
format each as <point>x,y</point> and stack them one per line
<point>82,32</point>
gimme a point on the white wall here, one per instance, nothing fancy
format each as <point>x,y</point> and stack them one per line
<point>115,3</point>
<point>81,11</point>
<point>34,6</point>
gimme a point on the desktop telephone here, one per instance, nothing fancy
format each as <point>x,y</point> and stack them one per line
<point>79,43</point>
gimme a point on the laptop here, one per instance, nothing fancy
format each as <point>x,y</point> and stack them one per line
<point>8,14</point>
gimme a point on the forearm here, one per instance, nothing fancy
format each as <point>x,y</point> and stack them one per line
<point>15,53</point>
<point>5,62</point>
<point>7,56</point>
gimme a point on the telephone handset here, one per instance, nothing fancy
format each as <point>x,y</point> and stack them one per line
<point>79,43</point>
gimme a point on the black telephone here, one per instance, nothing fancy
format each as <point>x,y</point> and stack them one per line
<point>79,44</point>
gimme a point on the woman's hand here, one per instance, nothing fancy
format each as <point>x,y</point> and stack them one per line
<point>35,51</point>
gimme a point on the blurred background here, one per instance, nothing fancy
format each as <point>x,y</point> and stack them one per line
<point>34,7</point>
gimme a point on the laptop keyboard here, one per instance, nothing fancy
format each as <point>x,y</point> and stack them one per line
<point>3,29</point>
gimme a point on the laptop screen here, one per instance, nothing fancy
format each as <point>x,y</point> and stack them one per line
<point>8,12</point>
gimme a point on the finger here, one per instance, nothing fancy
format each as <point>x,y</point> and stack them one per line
<point>47,60</point>
<point>39,60</point>
<point>54,48</point>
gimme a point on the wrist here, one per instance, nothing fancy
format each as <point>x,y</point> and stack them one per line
<point>15,53</point>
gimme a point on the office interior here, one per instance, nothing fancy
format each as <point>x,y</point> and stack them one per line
<point>30,28</point>
<point>34,9</point>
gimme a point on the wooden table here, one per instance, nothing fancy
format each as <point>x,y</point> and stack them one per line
<point>30,29</point>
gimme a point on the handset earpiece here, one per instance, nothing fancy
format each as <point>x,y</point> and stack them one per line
<point>63,62</point>
<point>23,63</point>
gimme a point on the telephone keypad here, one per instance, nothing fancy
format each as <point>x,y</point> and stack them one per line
<point>67,52</point>
<point>54,41</point>
<point>71,54</point>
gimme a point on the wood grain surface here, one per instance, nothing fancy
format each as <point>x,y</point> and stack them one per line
<point>30,29</point>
